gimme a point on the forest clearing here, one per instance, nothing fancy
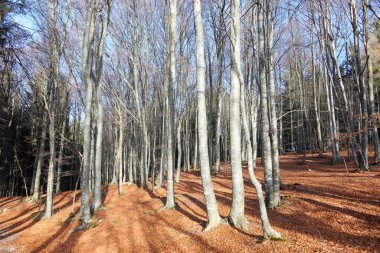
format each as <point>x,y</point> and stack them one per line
<point>326,209</point>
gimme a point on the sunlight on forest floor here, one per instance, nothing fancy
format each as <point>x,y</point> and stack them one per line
<point>327,209</point>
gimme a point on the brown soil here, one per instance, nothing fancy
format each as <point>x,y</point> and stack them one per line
<point>327,209</point>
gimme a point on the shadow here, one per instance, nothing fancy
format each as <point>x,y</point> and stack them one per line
<point>31,219</point>
<point>105,190</point>
<point>6,201</point>
<point>18,227</point>
<point>191,216</point>
<point>64,229</point>
<point>20,215</point>
<point>368,218</point>
<point>34,205</point>
<point>153,195</point>
<point>316,228</point>
<point>326,192</point>
<point>155,240</point>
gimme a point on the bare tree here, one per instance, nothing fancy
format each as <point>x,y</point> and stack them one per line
<point>211,204</point>
<point>236,215</point>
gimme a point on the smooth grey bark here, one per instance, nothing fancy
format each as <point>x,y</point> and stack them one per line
<point>276,200</point>
<point>163,146</point>
<point>154,155</point>
<point>120,154</point>
<point>130,169</point>
<point>179,150</point>
<point>362,87</point>
<point>254,120</point>
<point>97,200</point>
<point>268,231</point>
<point>188,152</point>
<point>217,130</point>
<point>92,154</point>
<point>211,205</point>
<point>87,44</point>
<point>255,99</point>
<point>41,154</point>
<point>328,85</point>
<point>125,162</point>
<point>225,152</point>
<point>62,143</point>
<point>371,96</point>
<point>53,86</point>
<point>328,42</point>
<point>195,159</point>
<point>331,114</point>
<point>236,215</point>
<point>97,197</point>
<point>170,201</point>
<point>31,189</point>
<point>266,143</point>
<point>315,95</point>
<point>138,102</point>
<point>144,80</point>
<point>114,154</point>
<point>50,179</point>
<point>219,38</point>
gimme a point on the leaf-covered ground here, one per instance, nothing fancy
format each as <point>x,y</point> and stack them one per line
<point>327,209</point>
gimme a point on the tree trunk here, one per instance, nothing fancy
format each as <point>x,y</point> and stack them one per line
<point>40,159</point>
<point>266,144</point>
<point>120,154</point>
<point>179,149</point>
<point>362,87</point>
<point>88,41</point>
<point>62,143</point>
<point>275,201</point>
<point>236,215</point>
<point>195,160</point>
<point>208,191</point>
<point>170,202</point>
<point>315,95</point>
<point>371,96</point>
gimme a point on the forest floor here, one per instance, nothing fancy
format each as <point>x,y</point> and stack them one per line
<point>326,209</point>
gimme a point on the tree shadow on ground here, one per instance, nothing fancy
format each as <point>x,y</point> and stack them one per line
<point>298,222</point>
<point>367,218</point>
<point>155,240</point>
<point>6,201</point>
<point>336,194</point>
<point>30,220</point>
<point>316,228</point>
<point>65,228</point>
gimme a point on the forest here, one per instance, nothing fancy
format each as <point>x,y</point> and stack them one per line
<point>189,125</point>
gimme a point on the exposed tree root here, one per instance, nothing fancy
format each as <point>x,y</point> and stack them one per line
<point>271,235</point>
<point>213,224</point>
<point>86,226</point>
<point>238,222</point>
<point>273,204</point>
<point>81,227</point>
<point>166,207</point>
<point>99,208</point>
<point>31,199</point>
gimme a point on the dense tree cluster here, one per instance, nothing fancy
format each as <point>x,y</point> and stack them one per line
<point>126,91</point>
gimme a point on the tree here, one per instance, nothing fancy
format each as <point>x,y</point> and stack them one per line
<point>236,215</point>
<point>211,204</point>
<point>266,142</point>
<point>170,202</point>
<point>362,87</point>
<point>92,54</point>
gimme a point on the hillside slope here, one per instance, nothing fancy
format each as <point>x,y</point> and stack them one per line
<point>327,209</point>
